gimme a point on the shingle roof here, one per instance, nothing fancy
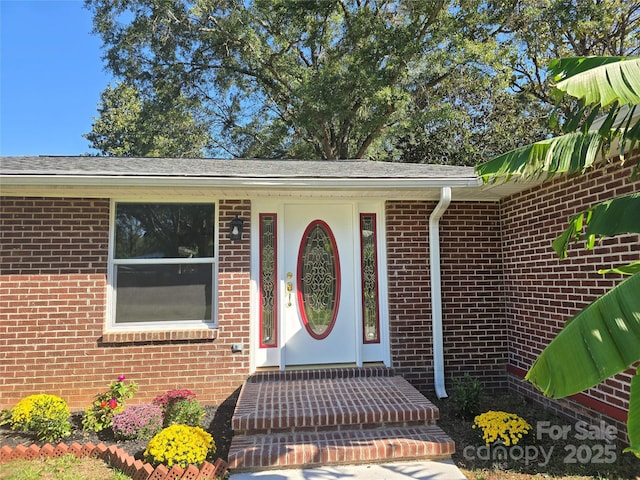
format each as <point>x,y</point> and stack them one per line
<point>224,168</point>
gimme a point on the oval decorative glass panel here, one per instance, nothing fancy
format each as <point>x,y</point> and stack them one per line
<point>318,279</point>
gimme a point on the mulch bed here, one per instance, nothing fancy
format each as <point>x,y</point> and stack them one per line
<point>217,421</point>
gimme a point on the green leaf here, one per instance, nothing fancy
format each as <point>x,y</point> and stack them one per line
<point>599,80</point>
<point>633,419</point>
<point>570,153</point>
<point>630,269</point>
<point>606,219</point>
<point>601,341</point>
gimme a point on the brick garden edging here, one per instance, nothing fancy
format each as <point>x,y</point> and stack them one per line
<point>117,458</point>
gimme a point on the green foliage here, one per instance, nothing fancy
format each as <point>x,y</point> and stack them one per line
<point>181,445</point>
<point>602,340</point>
<point>134,123</point>
<point>466,396</point>
<point>100,413</point>
<point>606,219</point>
<point>304,79</point>
<point>179,406</point>
<point>184,412</point>
<point>47,416</point>
<point>441,82</point>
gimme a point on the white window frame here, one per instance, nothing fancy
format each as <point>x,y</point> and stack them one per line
<point>111,325</point>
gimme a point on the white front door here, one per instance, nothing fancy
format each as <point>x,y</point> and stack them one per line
<point>318,317</point>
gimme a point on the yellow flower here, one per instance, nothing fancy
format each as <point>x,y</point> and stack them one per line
<point>508,428</point>
<point>180,445</point>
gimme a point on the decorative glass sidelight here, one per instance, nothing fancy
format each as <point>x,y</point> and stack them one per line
<point>268,276</point>
<point>369,271</point>
<point>318,279</point>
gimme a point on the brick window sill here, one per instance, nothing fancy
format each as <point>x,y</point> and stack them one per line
<point>165,336</point>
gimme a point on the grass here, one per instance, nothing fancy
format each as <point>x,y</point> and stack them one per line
<point>67,467</point>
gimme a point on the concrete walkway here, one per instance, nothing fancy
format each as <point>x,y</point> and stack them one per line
<point>421,470</point>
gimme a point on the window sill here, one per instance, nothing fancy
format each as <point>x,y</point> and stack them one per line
<point>160,336</point>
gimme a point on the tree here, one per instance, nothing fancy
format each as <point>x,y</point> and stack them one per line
<point>130,125</point>
<point>603,339</point>
<point>489,112</point>
<point>300,78</point>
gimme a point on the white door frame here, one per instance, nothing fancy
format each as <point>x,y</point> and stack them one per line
<point>364,353</point>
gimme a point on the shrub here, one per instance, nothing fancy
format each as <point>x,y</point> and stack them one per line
<point>184,412</point>
<point>180,407</point>
<point>47,416</point>
<point>137,421</point>
<point>466,396</point>
<point>100,414</point>
<point>166,399</point>
<point>507,428</point>
<point>181,445</point>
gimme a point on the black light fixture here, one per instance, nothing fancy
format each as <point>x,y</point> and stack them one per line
<point>235,229</point>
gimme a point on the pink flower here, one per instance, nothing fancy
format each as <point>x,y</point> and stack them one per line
<point>113,403</point>
<point>121,378</point>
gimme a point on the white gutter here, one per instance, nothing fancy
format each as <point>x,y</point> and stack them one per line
<point>234,182</point>
<point>436,292</point>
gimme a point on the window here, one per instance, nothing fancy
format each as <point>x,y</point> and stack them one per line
<point>369,271</point>
<point>268,281</point>
<point>163,264</point>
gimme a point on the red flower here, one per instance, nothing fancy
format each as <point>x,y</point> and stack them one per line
<point>103,404</point>
<point>113,403</point>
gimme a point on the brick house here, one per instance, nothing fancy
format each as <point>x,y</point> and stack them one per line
<point>195,273</point>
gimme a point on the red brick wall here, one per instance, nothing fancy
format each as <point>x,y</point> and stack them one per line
<point>543,292</point>
<point>53,265</point>
<point>474,323</point>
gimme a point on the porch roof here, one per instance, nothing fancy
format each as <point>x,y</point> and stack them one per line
<point>107,176</point>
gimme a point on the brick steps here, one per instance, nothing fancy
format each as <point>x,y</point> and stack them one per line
<point>346,416</point>
<point>255,452</point>
<point>295,405</point>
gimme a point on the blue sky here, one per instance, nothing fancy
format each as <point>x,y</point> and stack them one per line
<point>51,77</point>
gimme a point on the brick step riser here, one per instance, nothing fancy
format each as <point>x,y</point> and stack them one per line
<point>304,450</point>
<point>334,421</point>
<point>329,428</point>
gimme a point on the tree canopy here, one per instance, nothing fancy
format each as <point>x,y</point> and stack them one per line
<point>426,81</point>
<point>130,125</point>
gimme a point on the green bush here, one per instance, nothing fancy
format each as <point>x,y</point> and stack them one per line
<point>181,445</point>
<point>107,404</point>
<point>47,416</point>
<point>184,412</point>
<point>466,396</point>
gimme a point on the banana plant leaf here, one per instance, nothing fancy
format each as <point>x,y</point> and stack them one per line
<point>599,80</point>
<point>570,153</point>
<point>633,419</point>
<point>601,341</point>
<point>606,219</point>
<point>630,269</point>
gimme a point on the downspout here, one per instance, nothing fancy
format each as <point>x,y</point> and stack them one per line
<point>436,292</point>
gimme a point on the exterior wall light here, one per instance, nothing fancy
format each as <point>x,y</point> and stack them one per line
<point>235,229</point>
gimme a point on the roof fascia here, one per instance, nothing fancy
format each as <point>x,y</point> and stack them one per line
<point>288,183</point>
